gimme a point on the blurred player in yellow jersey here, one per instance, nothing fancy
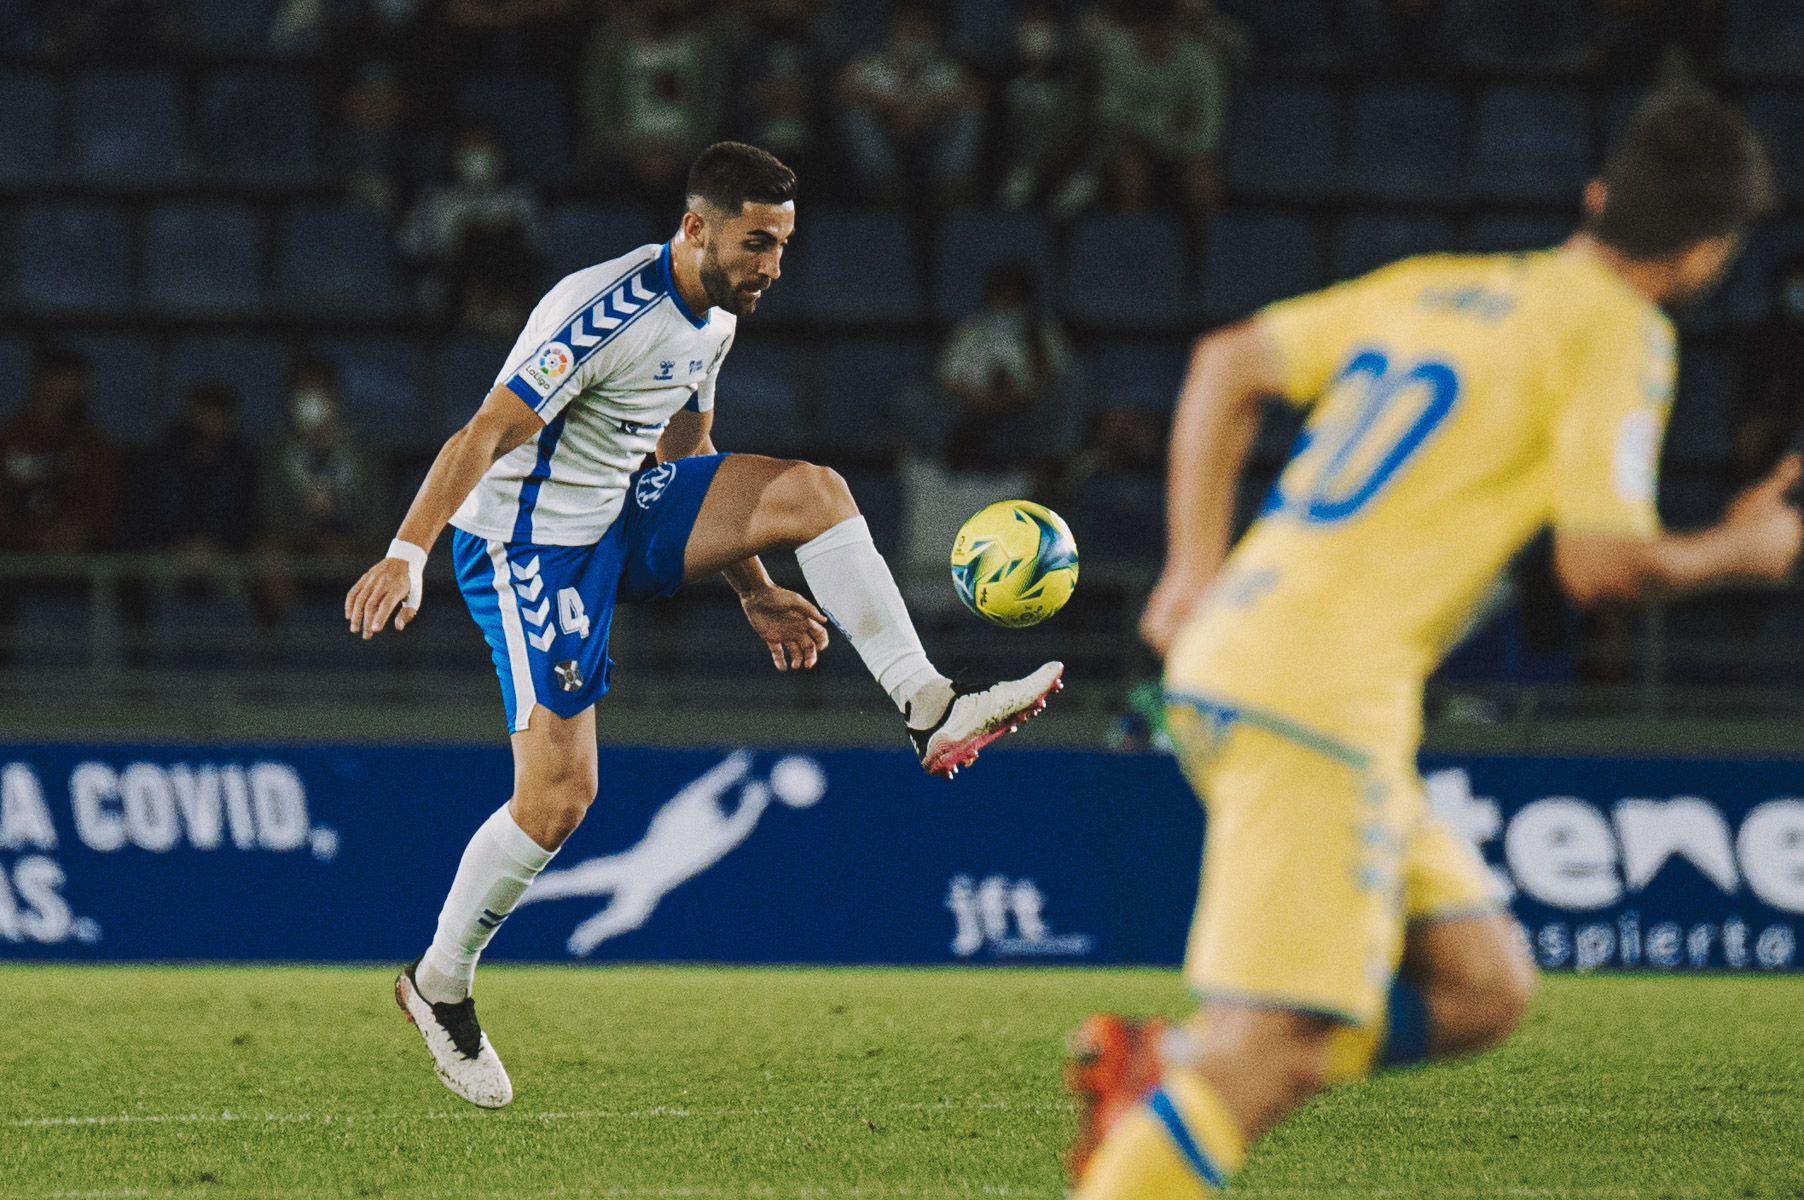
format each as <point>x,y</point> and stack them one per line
<point>1458,405</point>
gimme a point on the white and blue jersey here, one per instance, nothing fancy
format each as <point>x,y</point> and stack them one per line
<point>606,359</point>
<point>565,524</point>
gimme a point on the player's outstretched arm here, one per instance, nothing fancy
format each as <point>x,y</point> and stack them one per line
<point>1231,373</point>
<point>502,424</point>
<point>1756,542</point>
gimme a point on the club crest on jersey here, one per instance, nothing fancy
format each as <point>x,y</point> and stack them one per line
<point>652,483</point>
<point>584,333</point>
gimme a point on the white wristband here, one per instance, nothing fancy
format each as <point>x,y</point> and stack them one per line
<point>415,558</point>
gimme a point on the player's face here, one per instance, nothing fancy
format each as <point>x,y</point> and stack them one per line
<point>744,254</point>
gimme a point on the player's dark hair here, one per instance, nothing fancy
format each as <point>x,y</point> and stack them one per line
<point>728,175</point>
<point>1688,167</point>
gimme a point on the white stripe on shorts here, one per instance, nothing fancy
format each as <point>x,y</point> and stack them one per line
<point>515,633</point>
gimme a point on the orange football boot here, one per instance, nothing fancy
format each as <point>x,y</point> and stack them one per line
<point>1113,1065</point>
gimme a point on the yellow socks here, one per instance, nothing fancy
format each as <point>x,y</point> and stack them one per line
<point>1178,1144</point>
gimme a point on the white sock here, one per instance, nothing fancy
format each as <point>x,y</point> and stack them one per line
<point>853,585</point>
<point>498,866</point>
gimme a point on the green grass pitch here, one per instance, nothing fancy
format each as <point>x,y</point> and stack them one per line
<point>716,1082</point>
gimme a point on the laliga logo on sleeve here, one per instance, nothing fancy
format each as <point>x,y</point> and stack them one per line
<point>652,483</point>
<point>554,360</point>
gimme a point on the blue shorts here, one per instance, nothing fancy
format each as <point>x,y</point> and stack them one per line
<point>545,610</point>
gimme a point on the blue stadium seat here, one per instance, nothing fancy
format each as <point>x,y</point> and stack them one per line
<point>1253,259</point>
<point>71,258</point>
<point>1779,116</point>
<point>1119,516</point>
<point>466,375</point>
<point>1699,433</point>
<point>860,267</point>
<point>1493,233</point>
<point>581,235</point>
<point>1126,271</point>
<point>1137,376</point>
<point>1282,140</point>
<point>28,134</point>
<point>1531,144</point>
<point>19,34</point>
<point>758,404</point>
<point>1407,142</point>
<point>126,128</point>
<point>15,374</point>
<point>122,392</point>
<point>854,410</point>
<point>1765,38</point>
<point>379,381</point>
<point>528,112</point>
<point>228,26</point>
<point>335,260</point>
<point>50,631</point>
<point>1286,28</point>
<point>203,258</point>
<point>214,634</point>
<point>1514,34</point>
<point>257,127</point>
<point>971,242</point>
<point>1747,298</point>
<point>1780,651</point>
<point>1368,241</point>
<point>256,366</point>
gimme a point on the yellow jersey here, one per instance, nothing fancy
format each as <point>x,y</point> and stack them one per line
<point>1458,404</point>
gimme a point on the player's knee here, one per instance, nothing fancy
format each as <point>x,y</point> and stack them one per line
<point>815,499</point>
<point>551,803</point>
<point>1483,1007</point>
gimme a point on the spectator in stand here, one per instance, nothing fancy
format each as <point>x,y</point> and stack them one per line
<point>369,145</point>
<point>649,95</point>
<point>476,239</point>
<point>1769,417</point>
<point>59,477</point>
<point>1044,106</point>
<point>909,111</point>
<point>204,478</point>
<point>1161,103</point>
<point>780,55</point>
<point>1011,395</point>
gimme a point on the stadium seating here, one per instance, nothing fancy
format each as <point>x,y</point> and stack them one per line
<point>1780,118</point>
<point>1747,298</point>
<point>126,128</point>
<point>1252,259</point>
<point>527,111</point>
<point>336,261</point>
<point>983,31</point>
<point>1126,271</point>
<point>122,392</point>
<point>195,633</point>
<point>203,259</point>
<point>49,631</point>
<point>859,268</point>
<point>256,367</point>
<point>466,375</point>
<point>879,497</point>
<point>1764,38</point>
<point>581,235</point>
<point>1530,144</point>
<point>256,127</point>
<point>970,243</point>
<point>1514,34</point>
<point>1138,376</point>
<point>1492,233</point>
<point>758,405</point>
<point>1282,141</point>
<point>854,404</point>
<point>27,135</point>
<point>1119,516</point>
<point>378,378</point>
<point>1371,240</point>
<point>228,26</point>
<point>71,258</point>
<point>1407,143</point>
<point>1699,433</point>
<point>1286,28</point>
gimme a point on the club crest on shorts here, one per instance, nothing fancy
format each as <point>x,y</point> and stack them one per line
<point>652,483</point>
<point>569,675</point>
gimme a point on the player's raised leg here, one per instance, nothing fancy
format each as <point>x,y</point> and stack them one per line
<point>757,504</point>
<point>554,783</point>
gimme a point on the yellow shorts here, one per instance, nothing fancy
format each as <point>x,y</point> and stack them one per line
<point>1315,856</point>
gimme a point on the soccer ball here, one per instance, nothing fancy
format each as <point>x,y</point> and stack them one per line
<point>1014,563</point>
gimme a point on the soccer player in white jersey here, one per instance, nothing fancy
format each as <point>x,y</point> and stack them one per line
<point>554,518</point>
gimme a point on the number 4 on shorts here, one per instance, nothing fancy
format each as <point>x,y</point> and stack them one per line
<point>570,615</point>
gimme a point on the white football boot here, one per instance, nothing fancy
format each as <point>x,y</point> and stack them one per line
<point>978,716</point>
<point>461,1054</point>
